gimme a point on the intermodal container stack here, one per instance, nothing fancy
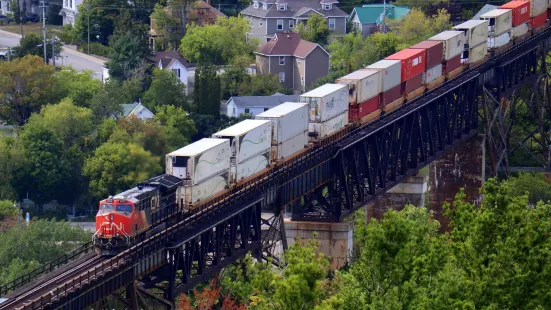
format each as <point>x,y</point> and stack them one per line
<point>434,53</point>
<point>538,21</point>
<point>390,77</point>
<point>499,22</point>
<point>413,66</point>
<point>204,166</point>
<point>250,144</point>
<point>476,40</point>
<point>537,7</point>
<point>328,106</point>
<point>363,89</point>
<point>453,45</point>
<point>520,11</point>
<point>289,128</point>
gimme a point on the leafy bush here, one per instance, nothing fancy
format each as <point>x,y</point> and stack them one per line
<point>7,209</point>
<point>68,35</point>
<point>95,49</point>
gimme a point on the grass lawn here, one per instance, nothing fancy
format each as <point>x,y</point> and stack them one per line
<point>30,28</point>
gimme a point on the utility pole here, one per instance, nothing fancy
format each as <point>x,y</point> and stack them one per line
<point>43,6</point>
<point>53,50</point>
<point>20,18</point>
<point>88,13</point>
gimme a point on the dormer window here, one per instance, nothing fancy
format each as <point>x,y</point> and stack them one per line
<point>255,4</point>
<point>282,7</point>
<point>264,6</point>
<point>327,6</point>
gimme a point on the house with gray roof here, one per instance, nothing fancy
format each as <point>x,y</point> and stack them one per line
<point>135,109</point>
<point>171,60</point>
<point>269,17</point>
<point>254,105</point>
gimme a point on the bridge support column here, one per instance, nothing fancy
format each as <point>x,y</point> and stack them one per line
<point>335,239</point>
<point>411,191</point>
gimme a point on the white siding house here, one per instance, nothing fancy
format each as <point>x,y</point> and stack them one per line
<point>70,11</point>
<point>173,61</point>
<point>5,7</point>
<point>254,105</point>
<point>138,110</point>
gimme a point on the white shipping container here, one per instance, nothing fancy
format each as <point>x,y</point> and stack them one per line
<point>538,7</point>
<point>520,30</point>
<point>499,21</point>
<point>477,53</point>
<point>247,138</point>
<point>476,32</point>
<point>362,85</point>
<point>329,127</point>
<point>495,42</point>
<point>200,160</point>
<point>453,42</point>
<point>288,120</point>
<point>290,147</point>
<point>390,73</point>
<point>251,166</point>
<point>326,101</point>
<point>432,74</point>
<point>203,190</point>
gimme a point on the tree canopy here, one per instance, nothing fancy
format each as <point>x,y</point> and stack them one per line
<point>166,89</point>
<point>31,44</point>
<point>316,29</point>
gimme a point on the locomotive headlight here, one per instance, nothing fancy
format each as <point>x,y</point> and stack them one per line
<point>112,217</point>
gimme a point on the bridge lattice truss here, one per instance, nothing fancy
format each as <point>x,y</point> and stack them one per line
<point>325,184</point>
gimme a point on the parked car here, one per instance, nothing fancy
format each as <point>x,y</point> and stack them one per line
<point>5,20</point>
<point>30,17</point>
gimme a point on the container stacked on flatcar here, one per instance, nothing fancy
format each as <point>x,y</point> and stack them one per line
<point>413,66</point>
<point>363,94</point>
<point>453,45</point>
<point>328,109</point>
<point>520,11</point>
<point>289,128</point>
<point>499,28</point>
<point>538,14</point>
<point>390,81</point>
<point>250,146</point>
<point>204,166</point>
<point>434,51</point>
<point>475,49</point>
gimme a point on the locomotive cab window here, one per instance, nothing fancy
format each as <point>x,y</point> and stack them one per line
<point>124,208</point>
<point>107,207</point>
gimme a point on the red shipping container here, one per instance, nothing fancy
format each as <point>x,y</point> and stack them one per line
<point>354,112</point>
<point>412,84</point>
<point>521,11</point>
<point>369,106</point>
<point>434,50</point>
<point>538,21</point>
<point>413,62</point>
<point>452,64</point>
<point>391,95</point>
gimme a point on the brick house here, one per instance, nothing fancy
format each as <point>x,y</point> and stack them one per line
<point>297,62</point>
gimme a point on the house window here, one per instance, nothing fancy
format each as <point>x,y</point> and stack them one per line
<point>255,4</point>
<point>291,24</point>
<point>327,6</point>
<point>302,80</point>
<point>331,23</point>
<point>264,6</point>
<point>177,72</point>
<point>282,7</point>
<point>282,77</point>
<point>260,22</point>
<point>247,111</point>
<point>281,60</point>
<point>8,6</point>
<point>266,109</point>
<point>233,111</point>
<point>280,24</point>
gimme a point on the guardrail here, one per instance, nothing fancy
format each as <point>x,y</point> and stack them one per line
<point>45,268</point>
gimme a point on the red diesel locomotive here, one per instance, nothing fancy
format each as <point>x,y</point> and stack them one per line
<point>144,208</point>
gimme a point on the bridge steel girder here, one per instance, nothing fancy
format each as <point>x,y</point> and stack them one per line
<point>327,183</point>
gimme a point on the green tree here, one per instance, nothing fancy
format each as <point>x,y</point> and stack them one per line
<point>207,91</point>
<point>219,43</point>
<point>175,117</point>
<point>416,26</point>
<point>166,89</point>
<point>31,44</point>
<point>117,166</point>
<point>7,209</point>
<point>316,29</point>
<point>166,27</point>
<point>107,102</point>
<point>80,86</point>
<point>101,15</point>
<point>535,185</point>
<point>11,160</point>
<point>25,86</point>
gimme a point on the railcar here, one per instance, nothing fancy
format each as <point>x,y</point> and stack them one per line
<point>144,208</point>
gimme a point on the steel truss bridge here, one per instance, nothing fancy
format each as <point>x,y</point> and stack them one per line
<point>326,183</point>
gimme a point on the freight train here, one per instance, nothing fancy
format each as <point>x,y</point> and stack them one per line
<point>211,166</point>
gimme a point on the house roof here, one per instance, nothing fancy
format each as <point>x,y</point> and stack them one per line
<point>133,108</point>
<point>288,43</point>
<point>371,13</point>
<point>485,9</point>
<point>203,13</point>
<point>295,8</point>
<point>167,58</point>
<point>262,101</point>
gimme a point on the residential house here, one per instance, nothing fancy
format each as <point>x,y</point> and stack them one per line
<point>171,60</point>
<point>254,105</point>
<point>69,11</point>
<point>368,18</point>
<point>136,109</point>
<point>5,7</point>
<point>269,17</point>
<point>297,62</point>
<point>199,12</point>
<point>27,6</point>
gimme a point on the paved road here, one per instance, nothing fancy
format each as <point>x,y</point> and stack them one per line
<point>77,60</point>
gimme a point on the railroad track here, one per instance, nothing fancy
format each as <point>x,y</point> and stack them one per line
<point>30,292</point>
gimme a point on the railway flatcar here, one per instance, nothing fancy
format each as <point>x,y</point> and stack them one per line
<point>241,153</point>
<point>144,208</point>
